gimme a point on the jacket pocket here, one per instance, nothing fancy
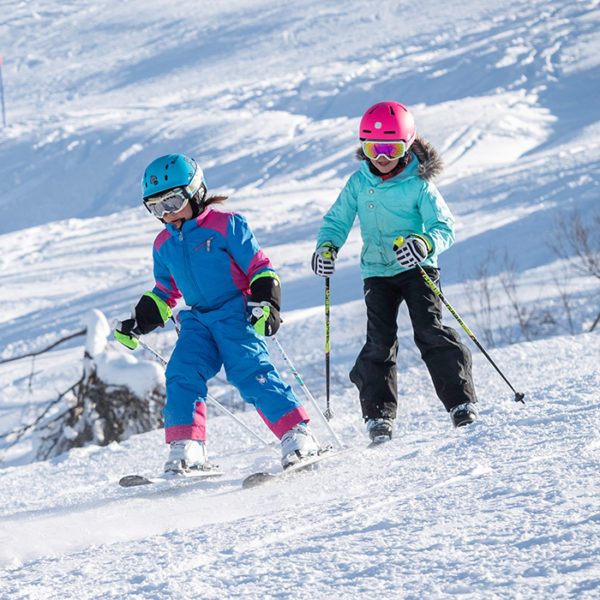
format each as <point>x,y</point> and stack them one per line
<point>373,255</point>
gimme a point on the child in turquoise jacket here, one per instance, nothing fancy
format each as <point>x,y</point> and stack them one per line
<point>404,222</point>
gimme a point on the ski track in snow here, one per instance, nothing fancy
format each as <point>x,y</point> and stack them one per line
<point>267,97</point>
<point>495,500</point>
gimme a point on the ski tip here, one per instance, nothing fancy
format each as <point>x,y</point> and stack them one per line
<point>134,480</point>
<point>256,479</point>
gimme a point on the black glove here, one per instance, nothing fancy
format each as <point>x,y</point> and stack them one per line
<point>265,302</point>
<point>264,318</point>
<point>149,313</point>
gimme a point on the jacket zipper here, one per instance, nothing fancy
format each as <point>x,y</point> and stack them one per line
<point>188,268</point>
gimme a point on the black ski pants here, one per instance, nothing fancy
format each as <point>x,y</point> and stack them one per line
<point>447,359</point>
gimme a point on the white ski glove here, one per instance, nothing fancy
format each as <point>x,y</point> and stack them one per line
<point>412,250</point>
<point>323,260</point>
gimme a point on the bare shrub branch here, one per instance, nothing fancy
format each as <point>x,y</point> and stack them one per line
<point>77,333</point>
<point>508,280</point>
<point>581,247</point>
<point>479,299</point>
<point>578,243</point>
<point>562,289</point>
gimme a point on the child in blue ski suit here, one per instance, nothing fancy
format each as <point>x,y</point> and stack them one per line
<point>212,259</point>
<point>404,222</point>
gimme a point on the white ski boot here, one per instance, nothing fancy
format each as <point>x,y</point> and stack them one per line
<point>296,444</point>
<point>186,455</point>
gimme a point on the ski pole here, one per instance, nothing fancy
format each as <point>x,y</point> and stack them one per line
<point>238,421</point>
<point>519,396</point>
<point>328,412</point>
<point>177,326</point>
<point>208,396</point>
<point>143,344</point>
<point>306,391</point>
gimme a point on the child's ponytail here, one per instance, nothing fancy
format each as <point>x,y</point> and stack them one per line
<point>214,200</point>
<point>200,201</point>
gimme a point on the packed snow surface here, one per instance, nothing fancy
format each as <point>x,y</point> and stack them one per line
<point>267,97</point>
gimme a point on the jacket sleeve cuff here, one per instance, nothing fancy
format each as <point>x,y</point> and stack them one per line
<point>427,240</point>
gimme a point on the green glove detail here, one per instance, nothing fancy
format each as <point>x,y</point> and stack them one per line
<point>126,340</point>
<point>264,318</point>
<point>149,313</point>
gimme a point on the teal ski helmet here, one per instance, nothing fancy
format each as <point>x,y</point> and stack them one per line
<point>174,171</point>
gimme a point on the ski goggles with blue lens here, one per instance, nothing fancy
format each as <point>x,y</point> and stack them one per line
<point>392,150</point>
<point>171,201</point>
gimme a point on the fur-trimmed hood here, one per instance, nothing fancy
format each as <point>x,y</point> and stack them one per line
<point>430,162</point>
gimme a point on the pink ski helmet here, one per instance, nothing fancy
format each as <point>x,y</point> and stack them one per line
<point>388,121</point>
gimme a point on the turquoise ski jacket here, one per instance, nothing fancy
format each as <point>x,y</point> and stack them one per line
<point>406,203</point>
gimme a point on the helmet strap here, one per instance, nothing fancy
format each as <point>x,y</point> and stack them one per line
<point>402,163</point>
<point>197,201</point>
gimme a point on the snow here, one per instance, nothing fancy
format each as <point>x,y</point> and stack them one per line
<point>141,376</point>
<point>97,332</point>
<point>117,368</point>
<point>267,97</point>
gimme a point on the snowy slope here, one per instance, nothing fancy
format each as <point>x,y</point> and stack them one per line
<point>267,97</point>
<point>507,509</point>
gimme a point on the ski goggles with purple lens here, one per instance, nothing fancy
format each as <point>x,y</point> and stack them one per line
<point>391,150</point>
<point>171,201</point>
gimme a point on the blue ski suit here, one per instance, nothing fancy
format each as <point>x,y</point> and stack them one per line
<point>211,262</point>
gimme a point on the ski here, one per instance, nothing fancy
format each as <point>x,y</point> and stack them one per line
<point>170,478</point>
<point>306,464</point>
